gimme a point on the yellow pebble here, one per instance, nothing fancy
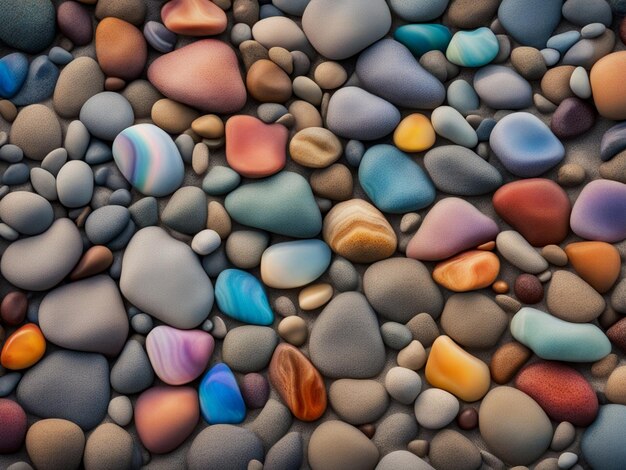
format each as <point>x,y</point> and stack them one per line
<point>23,348</point>
<point>415,133</point>
<point>453,369</point>
<point>467,271</point>
<point>315,296</point>
<point>209,126</point>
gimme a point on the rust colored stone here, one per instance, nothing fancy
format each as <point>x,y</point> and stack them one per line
<point>598,263</point>
<point>500,287</point>
<point>95,260</point>
<point>267,82</point>
<point>193,17</point>
<point>617,334</point>
<point>121,49</point>
<point>507,360</point>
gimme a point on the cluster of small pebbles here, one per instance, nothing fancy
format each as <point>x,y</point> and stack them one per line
<point>326,234</point>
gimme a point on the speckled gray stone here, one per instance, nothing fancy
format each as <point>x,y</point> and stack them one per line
<point>395,432</point>
<point>343,275</point>
<point>26,212</point>
<point>286,454</point>
<point>224,446</point>
<point>245,247</point>
<point>121,410</point>
<point>106,223</point>
<point>271,423</point>
<point>395,335</point>
<point>106,114</point>
<point>132,371</point>
<point>249,348</point>
<point>517,251</point>
<point>451,450</point>
<point>402,459</point>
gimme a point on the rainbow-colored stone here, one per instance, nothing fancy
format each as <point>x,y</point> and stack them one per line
<point>149,159</point>
<point>220,398</point>
<point>178,356</point>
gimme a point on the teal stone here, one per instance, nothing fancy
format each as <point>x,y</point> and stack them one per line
<point>422,38</point>
<point>220,180</point>
<point>558,340</point>
<point>603,444</point>
<point>294,264</point>
<point>282,204</point>
<point>13,71</point>
<point>240,295</point>
<point>393,181</point>
<point>27,25</point>
<point>473,48</point>
<point>220,398</point>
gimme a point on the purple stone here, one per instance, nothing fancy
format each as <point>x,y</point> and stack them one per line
<point>452,225</point>
<point>599,213</point>
<point>255,390</point>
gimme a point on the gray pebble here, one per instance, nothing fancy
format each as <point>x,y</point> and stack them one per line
<point>106,114</point>
<point>121,197</point>
<point>395,335</point>
<point>239,33</point>
<point>145,212</point>
<point>109,446</point>
<point>404,385</point>
<point>106,223</point>
<point>220,180</point>
<point>8,382</point>
<point>54,161</point>
<point>224,446</point>
<point>159,37</point>
<point>271,112</point>
<point>142,323</point>
<point>286,454</point>
<point>462,97</point>
<point>564,436</point>
<point>219,330</point>
<point>284,306</point>
<point>98,152</point>
<point>395,432</point>
<point>26,212</point>
<point>423,328</point>
<point>583,12</point>
<point>8,233</point>
<point>500,87</point>
<point>121,410</point>
<point>205,242</point>
<point>451,450</point>
<point>216,262</point>
<point>75,184</point>
<point>402,459</point>
<point>186,211</point>
<point>76,140</point>
<point>249,348</point>
<point>132,371</point>
<point>15,174</point>
<point>435,408</point>
<point>11,153</point>
<point>517,251</point>
<point>272,423</point>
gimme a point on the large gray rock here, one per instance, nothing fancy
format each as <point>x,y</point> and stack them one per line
<point>249,348</point>
<point>224,446</point>
<point>132,371</point>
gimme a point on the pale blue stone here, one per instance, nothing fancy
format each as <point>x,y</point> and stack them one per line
<point>418,12</point>
<point>220,398</point>
<point>422,38</point>
<point>8,382</point>
<point>40,82</point>
<point>60,56</point>
<point>462,97</point>
<point>240,295</point>
<point>563,41</point>
<point>220,180</point>
<point>592,30</point>
<point>558,340</point>
<point>450,124</point>
<point>550,56</point>
<point>530,22</point>
<point>602,443</point>
<point>294,264</point>
<point>473,48</point>
<point>501,87</point>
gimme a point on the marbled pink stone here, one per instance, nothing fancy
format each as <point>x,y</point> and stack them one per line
<point>205,74</point>
<point>178,356</point>
<point>599,213</point>
<point>451,226</point>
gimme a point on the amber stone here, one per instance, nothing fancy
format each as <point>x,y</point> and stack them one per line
<point>538,208</point>
<point>13,308</point>
<point>467,271</point>
<point>267,82</point>
<point>298,383</point>
<point>193,17</point>
<point>598,263</point>
<point>23,348</point>
<point>607,85</point>
<point>500,287</point>
<point>95,260</point>
<point>467,419</point>
<point>121,49</point>
<point>507,360</point>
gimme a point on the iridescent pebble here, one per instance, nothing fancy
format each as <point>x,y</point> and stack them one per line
<point>294,264</point>
<point>422,38</point>
<point>220,398</point>
<point>193,17</point>
<point>241,296</point>
<point>148,159</point>
<point>598,213</point>
<point>472,48</point>
<point>450,124</point>
<point>435,408</point>
<point>500,87</point>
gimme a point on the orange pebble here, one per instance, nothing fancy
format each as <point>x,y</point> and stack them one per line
<point>489,246</point>
<point>415,133</point>
<point>467,271</point>
<point>500,287</point>
<point>23,348</point>
<point>598,263</point>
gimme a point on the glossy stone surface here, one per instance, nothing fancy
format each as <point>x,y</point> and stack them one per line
<point>220,399</point>
<point>193,17</point>
<point>599,213</point>
<point>13,71</point>
<point>421,38</point>
<point>473,48</point>
<point>467,271</point>
<point>415,133</point>
<point>241,296</point>
<point>598,263</point>
<point>294,264</point>
<point>24,348</point>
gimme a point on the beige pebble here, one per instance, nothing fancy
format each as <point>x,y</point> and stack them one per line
<point>8,111</point>
<point>281,57</point>
<point>423,328</point>
<point>609,317</point>
<point>330,75</point>
<point>293,330</point>
<point>543,104</point>
<point>334,182</point>
<point>218,219</point>
<point>529,62</point>
<point>314,296</point>
<point>615,389</point>
<point>412,356</point>
<point>200,158</point>
<point>114,84</point>
<point>614,169</point>
<point>315,147</point>
<point>172,117</point>
<point>545,276</point>
<point>208,126</point>
<point>508,303</point>
<point>284,306</point>
<point>419,447</point>
<point>604,366</point>
<point>305,114</point>
<point>252,51</point>
<point>554,254</point>
<point>307,89</point>
<point>571,174</point>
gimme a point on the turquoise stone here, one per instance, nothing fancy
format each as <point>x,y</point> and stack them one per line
<point>240,295</point>
<point>554,339</point>
<point>294,264</point>
<point>422,38</point>
<point>13,71</point>
<point>393,181</point>
<point>220,398</point>
<point>282,203</point>
<point>473,48</point>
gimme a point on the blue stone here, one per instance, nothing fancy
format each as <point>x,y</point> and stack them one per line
<point>613,141</point>
<point>268,11</point>
<point>618,7</point>
<point>558,340</point>
<point>13,71</point>
<point>60,56</point>
<point>220,180</point>
<point>525,145</point>
<point>282,203</point>
<point>422,38</point>
<point>240,295</point>
<point>473,48</point>
<point>294,264</point>
<point>462,96</point>
<point>220,398</point>
<point>389,70</point>
<point>562,42</point>
<point>603,442</point>
<point>40,82</point>
<point>418,12</point>
<point>27,25</point>
<point>15,174</point>
<point>530,22</point>
<point>159,37</point>
<point>484,129</point>
<point>550,56</point>
<point>393,181</point>
<point>8,382</point>
<point>98,152</point>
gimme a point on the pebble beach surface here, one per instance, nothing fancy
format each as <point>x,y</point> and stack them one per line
<point>326,234</point>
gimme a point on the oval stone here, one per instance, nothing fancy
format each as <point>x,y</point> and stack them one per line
<point>26,212</point>
<point>422,38</point>
<point>294,264</point>
<point>599,213</point>
<point>473,48</point>
<point>606,84</point>
<point>193,17</point>
<point>602,442</point>
<point>220,399</point>
<point>24,348</point>
<point>467,271</point>
<point>598,263</point>
<point>121,49</point>
<point>336,445</point>
<point>501,87</point>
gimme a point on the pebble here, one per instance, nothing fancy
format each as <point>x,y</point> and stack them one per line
<point>55,443</point>
<point>267,82</point>
<point>314,147</point>
<point>530,24</point>
<point>220,398</point>
<point>415,133</point>
<point>358,401</point>
<point>572,118</point>
<point>106,223</point>
<point>422,38</point>
<point>467,271</point>
<point>452,450</point>
<point>293,329</point>
<point>603,77</point>
<point>582,13</point>
<point>26,212</point>
<point>462,97</point>
<point>423,328</point>
<point>248,348</point>
<point>330,75</point>
<point>255,390</point>
<point>402,459</point>
<point>587,52</point>
<point>513,426</point>
<point>600,441</point>
<point>241,296</point>
<point>554,339</point>
<point>120,410</point>
<point>244,248</point>
<point>121,49</point>
<point>555,83</point>
<point>335,444</point>
<point>500,87</point>
<point>395,335</point>
<point>193,18</point>
<point>14,426</point>
<point>403,385</point>
<point>517,251</point>
<point>472,48</point>
<point>224,446</point>
<point>572,299</point>
<point>435,408</point>
<point>40,82</point>
<point>334,182</point>
<point>598,263</point>
<point>159,37</point>
<point>14,69</point>
<point>412,356</point>
<point>529,62</point>
<point>132,371</point>
<point>564,435</point>
<point>109,446</point>
<point>605,366</point>
<point>586,215</point>
<point>186,211</point>
<point>528,289</point>
<point>118,116</point>
<point>13,308</point>
<point>314,296</point>
<point>220,180</point>
<point>23,348</point>
<point>359,355</point>
<point>29,27</point>
<point>36,130</point>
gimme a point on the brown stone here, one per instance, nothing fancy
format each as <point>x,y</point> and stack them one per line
<point>267,82</point>
<point>555,83</point>
<point>507,360</point>
<point>121,49</point>
<point>334,182</point>
<point>13,308</point>
<point>173,117</point>
<point>467,419</point>
<point>95,260</point>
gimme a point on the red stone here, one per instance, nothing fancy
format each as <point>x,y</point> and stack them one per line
<point>617,334</point>
<point>13,308</point>
<point>562,392</point>
<point>255,149</point>
<point>12,426</point>
<point>528,289</point>
<point>538,208</point>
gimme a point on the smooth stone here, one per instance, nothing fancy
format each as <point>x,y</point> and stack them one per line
<point>39,84</point>
<point>36,130</point>
<point>554,339</point>
<point>59,56</point>
<point>87,315</point>
<point>224,446</point>
<point>55,443</point>
<point>450,124</point>
<point>389,70</point>
<point>402,459</point>
<point>315,147</point>
<point>186,211</point>
<point>205,242</point>
<point>572,118</point>
<point>298,383</point>
<point>193,17</point>
<point>159,37</point>
<point>472,176</point>
<point>600,443</point>
<point>75,23</point>
<point>393,181</point>
<point>249,348</point>
<point>255,390</point>
<point>178,356</point>
<point>294,264</point>
<point>42,261</point>
<point>26,212</point>
<point>561,42</point>
<point>106,223</point>
<point>516,250</point>
<point>571,299</point>
<point>323,23</point>
<point>462,97</point>
<point>358,401</point>
<point>420,12</point>
<point>507,360</point>
<point>330,75</point>
<point>583,12</point>
<point>598,263</point>
<point>415,133</point>
<point>291,37</point>
<point>132,371</point>
<point>597,213</point>
<point>514,426</point>
<point>500,87</point>
<point>23,348</point>
<point>163,277</point>
<point>172,116</point>
<point>244,248</point>
<point>403,385</point>
<point>220,180</point>
<point>241,296</point>
<point>69,385</point>
<point>473,48</point>
<point>78,81</point>
<point>108,124</point>
<point>394,431</point>
<point>275,203</point>
<point>14,426</point>
<point>469,14</point>
<point>450,449</point>
<point>121,49</point>
<point>15,174</point>
<point>28,26</point>
<point>422,38</point>
<point>144,212</point>
<point>120,410</point>
<point>13,72</point>
<point>220,398</point>
<point>288,452</point>
<point>525,145</point>
<point>354,113</point>
<point>207,76</point>
<point>604,77</point>
<point>435,408</point>
<point>267,82</point>
<point>587,52</point>
<point>359,355</point>
<point>564,436</point>
<point>532,22</point>
<point>109,446</point>
<point>467,271</point>
<point>529,62</point>
<point>272,422</point>
<point>451,226</point>
<point>335,445</point>
<point>75,184</point>
<point>613,142</point>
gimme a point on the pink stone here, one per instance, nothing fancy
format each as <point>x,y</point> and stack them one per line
<point>178,356</point>
<point>205,74</point>
<point>255,149</point>
<point>451,226</point>
<point>193,17</point>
